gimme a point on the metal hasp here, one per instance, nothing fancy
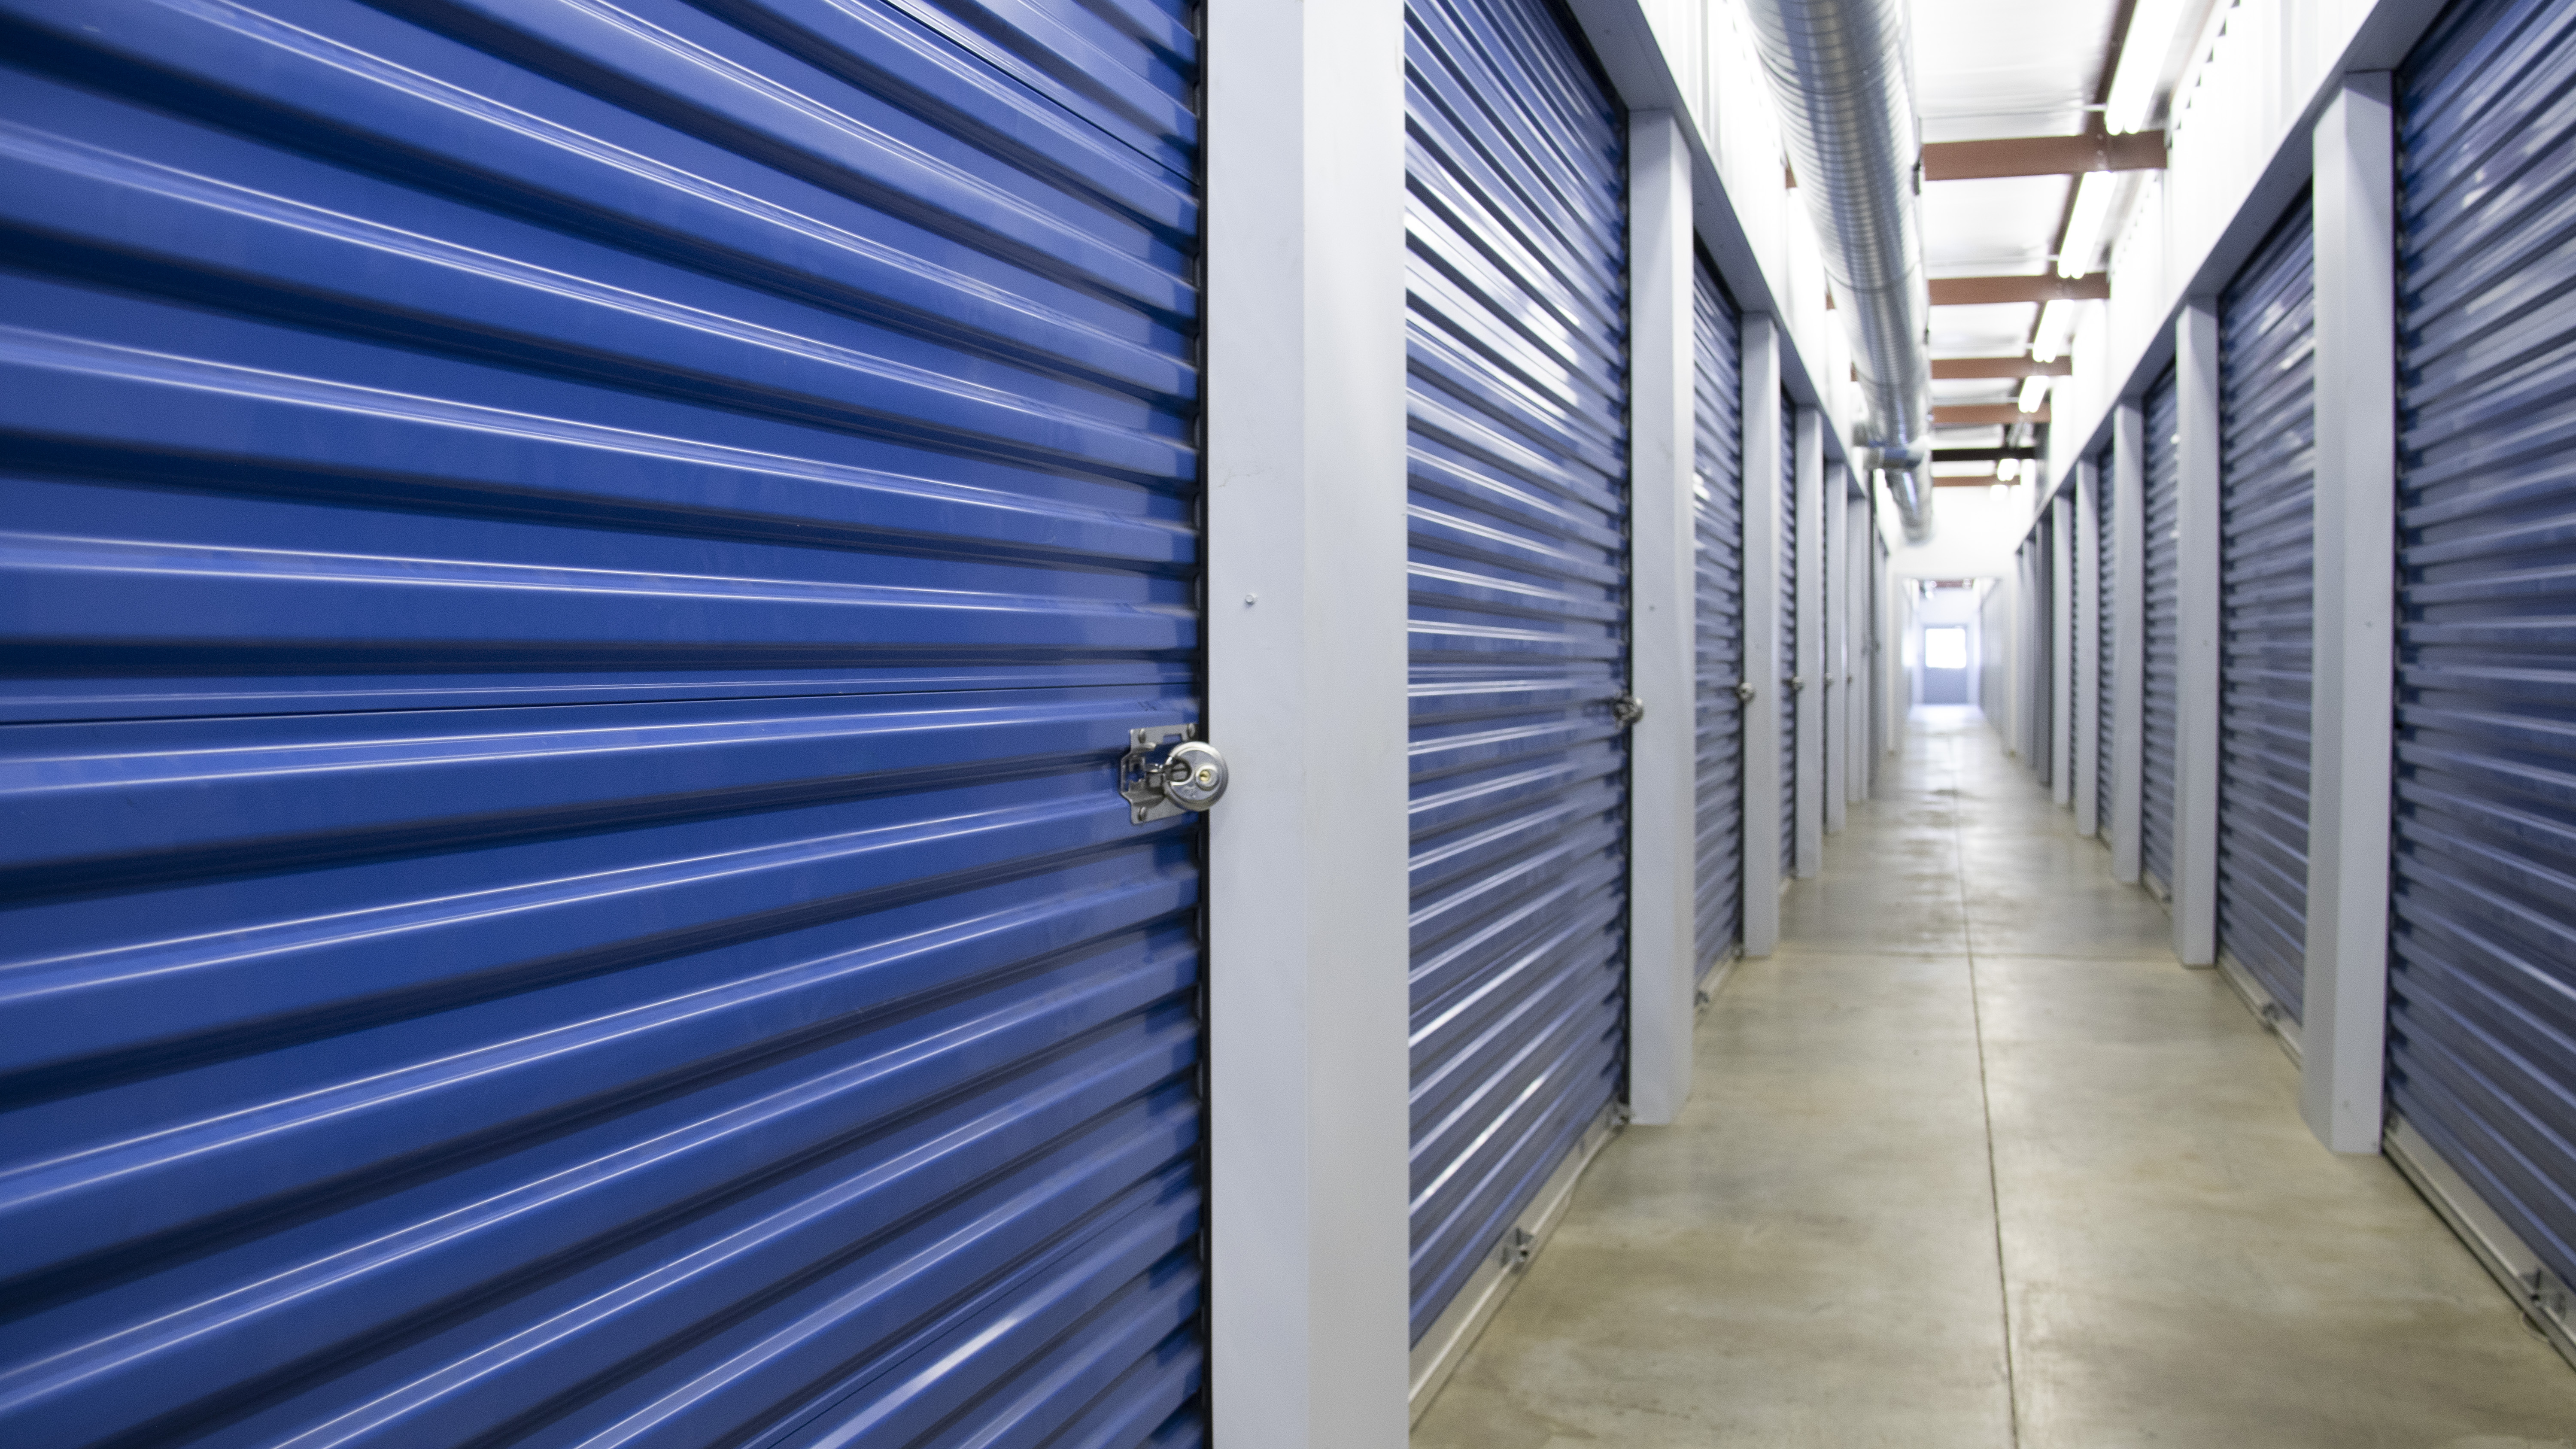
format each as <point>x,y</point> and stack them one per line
<point>1744,690</point>
<point>1161,783</point>
<point>1627,709</point>
<point>1841,73</point>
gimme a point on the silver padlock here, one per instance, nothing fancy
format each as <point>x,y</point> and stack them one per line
<point>1159,782</point>
<point>1193,775</point>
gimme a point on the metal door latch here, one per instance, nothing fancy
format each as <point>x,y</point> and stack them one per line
<point>1797,683</point>
<point>1744,691</point>
<point>1160,783</point>
<point>1627,709</point>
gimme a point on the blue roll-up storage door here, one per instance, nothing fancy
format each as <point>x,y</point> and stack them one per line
<point>2482,959</point>
<point>1517,333</point>
<point>2041,612</point>
<point>1788,636</point>
<point>1718,518</point>
<point>2267,605</point>
<point>2077,569</point>
<point>576,579</point>
<point>2161,717</point>
<point>2106,671</point>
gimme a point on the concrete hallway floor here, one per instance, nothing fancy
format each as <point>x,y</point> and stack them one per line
<point>1971,1161</point>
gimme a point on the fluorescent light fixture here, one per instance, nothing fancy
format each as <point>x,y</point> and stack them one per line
<point>2034,392</point>
<point>2084,223</point>
<point>2008,469</point>
<point>2142,64</point>
<point>2056,321</point>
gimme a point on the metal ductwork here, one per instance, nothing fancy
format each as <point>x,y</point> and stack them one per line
<point>1843,72</point>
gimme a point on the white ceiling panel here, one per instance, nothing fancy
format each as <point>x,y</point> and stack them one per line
<point>1986,68</point>
<point>1984,228</point>
<point>2000,330</point>
<point>1975,389</point>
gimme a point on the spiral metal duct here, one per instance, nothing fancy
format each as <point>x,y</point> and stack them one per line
<point>1843,72</point>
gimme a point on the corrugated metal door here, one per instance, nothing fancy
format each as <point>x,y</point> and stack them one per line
<point>2064,690</point>
<point>2106,672</point>
<point>1517,332</point>
<point>2039,613</point>
<point>2267,605</point>
<point>1718,384</point>
<point>2079,577</point>
<point>2482,964</point>
<point>575,581</point>
<point>1788,636</point>
<point>2163,626</point>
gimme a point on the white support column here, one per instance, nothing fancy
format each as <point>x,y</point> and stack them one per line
<point>1896,700</point>
<point>2343,1018</point>
<point>1856,668</point>
<point>1764,669</point>
<point>2015,614</point>
<point>1838,628</point>
<point>2195,883</point>
<point>1809,666</point>
<point>2061,652</point>
<point>2128,639</point>
<point>2088,651</point>
<point>1662,746</point>
<point>1306,653</point>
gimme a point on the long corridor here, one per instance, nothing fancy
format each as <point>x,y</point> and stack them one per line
<point>1972,1161</point>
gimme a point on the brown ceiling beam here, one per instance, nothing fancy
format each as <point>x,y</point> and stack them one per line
<point>1987,291</point>
<point>2043,156</point>
<point>1972,480</point>
<point>1955,367</point>
<point>1977,415</point>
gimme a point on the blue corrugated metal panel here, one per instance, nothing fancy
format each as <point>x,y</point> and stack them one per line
<point>1718,517</point>
<point>1517,335</point>
<point>2106,671</point>
<point>2078,578</point>
<point>1788,636</point>
<point>2161,718</point>
<point>575,578</point>
<point>2040,611</point>
<point>2267,557</point>
<point>2482,962</point>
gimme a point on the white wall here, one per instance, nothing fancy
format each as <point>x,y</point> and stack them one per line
<point>1709,45</point>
